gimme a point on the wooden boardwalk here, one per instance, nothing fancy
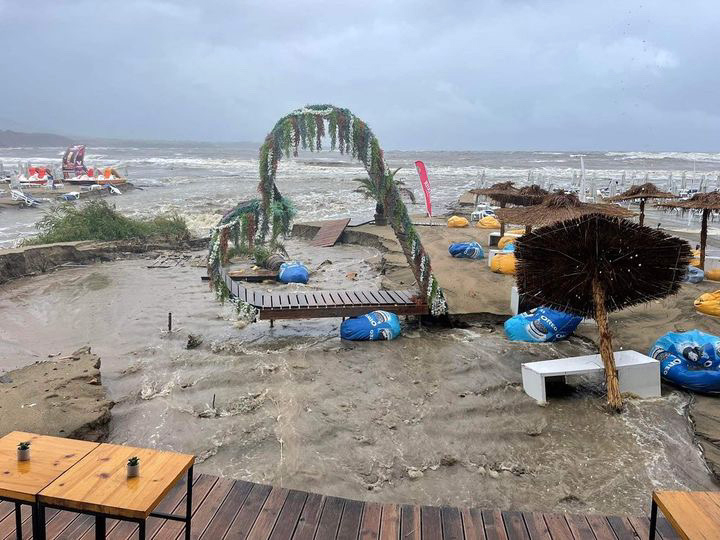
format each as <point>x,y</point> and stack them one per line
<point>329,232</point>
<point>229,509</point>
<point>316,304</point>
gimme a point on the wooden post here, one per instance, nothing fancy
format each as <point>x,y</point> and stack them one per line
<point>703,237</point>
<point>606,351</point>
<point>502,223</point>
<point>528,228</point>
<point>642,211</point>
<point>169,322</point>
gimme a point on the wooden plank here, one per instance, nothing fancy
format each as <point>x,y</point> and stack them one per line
<point>289,515</point>
<point>293,300</point>
<point>252,276</point>
<point>266,300</point>
<point>494,526</point>
<point>473,524</point>
<point>310,297</point>
<point>390,522</point>
<point>302,301</point>
<point>452,528</point>
<point>99,483</point>
<point>579,526</point>
<point>515,526</point>
<point>350,521</point>
<point>223,518</point>
<point>396,297</point>
<point>347,300</point>
<point>558,527</point>
<point>385,297</point>
<point>309,518</point>
<point>536,526</point>
<point>600,527</point>
<point>79,526</point>
<point>330,518</point>
<point>641,526</point>
<point>665,530</point>
<point>55,526</point>
<point>622,528</point>
<point>51,457</point>
<point>245,519</point>
<point>370,524</point>
<point>269,513</point>
<point>354,298</point>
<point>431,522</point>
<point>330,232</point>
<point>410,522</point>
<point>202,514</point>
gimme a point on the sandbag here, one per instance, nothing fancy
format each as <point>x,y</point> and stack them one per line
<point>503,263</point>
<point>689,360</point>
<point>466,250</point>
<point>375,326</point>
<point>709,303</point>
<point>488,222</point>
<point>505,240</point>
<point>457,222</point>
<point>293,272</point>
<point>693,275</point>
<point>713,275</point>
<point>541,325</point>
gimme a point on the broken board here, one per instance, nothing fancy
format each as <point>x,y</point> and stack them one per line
<point>329,232</point>
<point>250,275</point>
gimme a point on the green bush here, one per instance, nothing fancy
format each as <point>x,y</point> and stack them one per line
<point>97,220</point>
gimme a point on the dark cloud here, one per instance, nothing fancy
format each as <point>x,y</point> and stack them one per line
<point>426,74</point>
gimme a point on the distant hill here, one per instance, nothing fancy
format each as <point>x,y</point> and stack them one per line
<point>15,138</point>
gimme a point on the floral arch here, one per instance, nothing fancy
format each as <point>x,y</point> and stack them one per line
<point>268,220</point>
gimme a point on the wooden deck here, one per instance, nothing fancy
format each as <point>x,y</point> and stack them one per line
<point>329,232</point>
<point>317,304</point>
<point>228,509</point>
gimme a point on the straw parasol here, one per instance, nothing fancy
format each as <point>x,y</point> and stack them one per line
<point>557,207</point>
<point>642,192</point>
<point>595,264</point>
<point>505,193</point>
<point>707,202</point>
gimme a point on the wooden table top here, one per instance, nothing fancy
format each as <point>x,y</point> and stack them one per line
<point>99,482</point>
<point>50,457</point>
<point>695,515</point>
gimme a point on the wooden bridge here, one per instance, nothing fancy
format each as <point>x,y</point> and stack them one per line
<point>317,304</point>
<point>226,509</point>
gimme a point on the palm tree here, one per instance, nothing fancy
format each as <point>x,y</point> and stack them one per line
<point>378,191</point>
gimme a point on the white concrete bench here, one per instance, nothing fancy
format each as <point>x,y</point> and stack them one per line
<point>637,373</point>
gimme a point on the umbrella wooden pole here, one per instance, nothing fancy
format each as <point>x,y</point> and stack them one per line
<point>528,228</point>
<point>606,351</point>
<point>642,211</point>
<point>703,237</point>
<point>502,223</point>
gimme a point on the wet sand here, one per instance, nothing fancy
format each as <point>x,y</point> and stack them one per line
<point>435,417</point>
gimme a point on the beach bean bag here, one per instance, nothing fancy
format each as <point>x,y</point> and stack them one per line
<point>293,272</point>
<point>503,263</point>
<point>488,222</point>
<point>713,275</point>
<point>466,250</point>
<point>689,360</point>
<point>516,231</point>
<point>695,261</point>
<point>458,222</point>
<point>509,247</point>
<point>505,240</point>
<point>375,326</point>
<point>541,325</point>
<point>709,303</point>
<point>693,275</point>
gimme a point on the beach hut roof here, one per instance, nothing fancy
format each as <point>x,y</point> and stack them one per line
<point>643,191</point>
<point>699,201</point>
<point>556,264</point>
<point>558,207</point>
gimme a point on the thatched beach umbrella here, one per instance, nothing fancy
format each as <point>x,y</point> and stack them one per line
<point>505,193</point>
<point>595,264</point>
<point>642,192</point>
<point>557,207</point>
<point>707,202</point>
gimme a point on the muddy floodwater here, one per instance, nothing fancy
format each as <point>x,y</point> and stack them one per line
<point>437,416</point>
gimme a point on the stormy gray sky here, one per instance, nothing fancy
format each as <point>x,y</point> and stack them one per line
<point>426,74</point>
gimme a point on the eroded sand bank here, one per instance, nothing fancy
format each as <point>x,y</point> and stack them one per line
<point>435,417</point>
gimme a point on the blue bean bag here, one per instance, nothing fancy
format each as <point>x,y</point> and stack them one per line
<point>375,326</point>
<point>541,325</point>
<point>690,360</point>
<point>694,275</point>
<point>509,247</point>
<point>293,272</point>
<point>466,250</point>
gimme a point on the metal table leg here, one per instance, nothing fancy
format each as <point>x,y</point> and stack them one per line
<point>188,509</point>
<point>141,531</point>
<point>100,527</point>
<point>40,519</point>
<point>18,522</point>
<point>653,520</point>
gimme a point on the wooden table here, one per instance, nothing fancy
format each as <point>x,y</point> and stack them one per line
<point>22,481</point>
<point>695,515</point>
<point>98,485</point>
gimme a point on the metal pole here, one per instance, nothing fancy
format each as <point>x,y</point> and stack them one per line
<point>188,508</point>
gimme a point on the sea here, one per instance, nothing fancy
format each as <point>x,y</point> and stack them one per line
<point>202,181</point>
